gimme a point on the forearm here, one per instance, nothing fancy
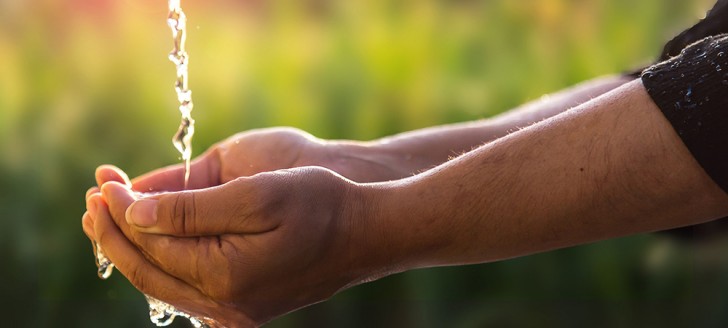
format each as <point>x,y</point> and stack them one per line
<point>422,149</point>
<point>609,168</point>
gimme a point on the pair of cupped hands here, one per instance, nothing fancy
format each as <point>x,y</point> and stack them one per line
<point>264,227</point>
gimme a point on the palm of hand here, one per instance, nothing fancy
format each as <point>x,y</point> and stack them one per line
<point>266,150</point>
<point>244,154</point>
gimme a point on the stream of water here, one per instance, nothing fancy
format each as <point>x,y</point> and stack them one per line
<point>182,140</point>
<point>161,313</point>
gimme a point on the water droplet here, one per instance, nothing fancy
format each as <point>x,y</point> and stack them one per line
<point>104,265</point>
<point>688,94</point>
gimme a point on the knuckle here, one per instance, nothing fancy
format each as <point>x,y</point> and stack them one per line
<point>178,214</point>
<point>91,191</point>
<point>190,213</point>
<point>184,213</point>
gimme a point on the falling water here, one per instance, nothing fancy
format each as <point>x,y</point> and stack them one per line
<point>104,265</point>
<point>161,313</point>
<point>182,140</point>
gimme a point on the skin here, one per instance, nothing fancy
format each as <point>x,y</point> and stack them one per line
<point>389,158</point>
<point>246,249</point>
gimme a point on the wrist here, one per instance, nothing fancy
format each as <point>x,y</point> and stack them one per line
<point>394,228</point>
<point>369,161</point>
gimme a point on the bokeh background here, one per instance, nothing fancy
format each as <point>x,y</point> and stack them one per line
<point>86,82</point>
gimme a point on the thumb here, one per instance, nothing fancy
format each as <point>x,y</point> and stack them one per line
<point>225,209</point>
<point>204,172</point>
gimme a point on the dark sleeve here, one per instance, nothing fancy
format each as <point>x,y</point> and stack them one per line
<point>691,89</point>
<point>714,23</point>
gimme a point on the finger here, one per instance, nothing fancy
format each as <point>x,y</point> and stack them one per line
<point>88,221</point>
<point>145,276</point>
<point>213,211</point>
<point>106,173</point>
<point>88,226</point>
<point>92,191</point>
<point>204,172</point>
<point>158,249</point>
<point>90,215</point>
<point>118,197</point>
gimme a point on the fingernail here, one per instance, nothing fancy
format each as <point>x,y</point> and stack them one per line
<point>142,213</point>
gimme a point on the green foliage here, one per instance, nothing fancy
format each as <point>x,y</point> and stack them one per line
<point>87,82</point>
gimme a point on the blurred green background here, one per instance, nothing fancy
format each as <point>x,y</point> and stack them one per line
<point>86,82</point>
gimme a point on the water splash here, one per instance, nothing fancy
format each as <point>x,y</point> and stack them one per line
<point>162,314</point>
<point>104,265</point>
<point>689,94</point>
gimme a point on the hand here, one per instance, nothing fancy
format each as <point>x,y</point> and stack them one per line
<point>241,253</point>
<point>265,150</point>
<point>246,154</point>
<point>251,152</point>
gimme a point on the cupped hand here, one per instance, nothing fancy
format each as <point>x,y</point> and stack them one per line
<point>264,150</point>
<point>242,155</point>
<point>241,253</point>
<point>271,149</point>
